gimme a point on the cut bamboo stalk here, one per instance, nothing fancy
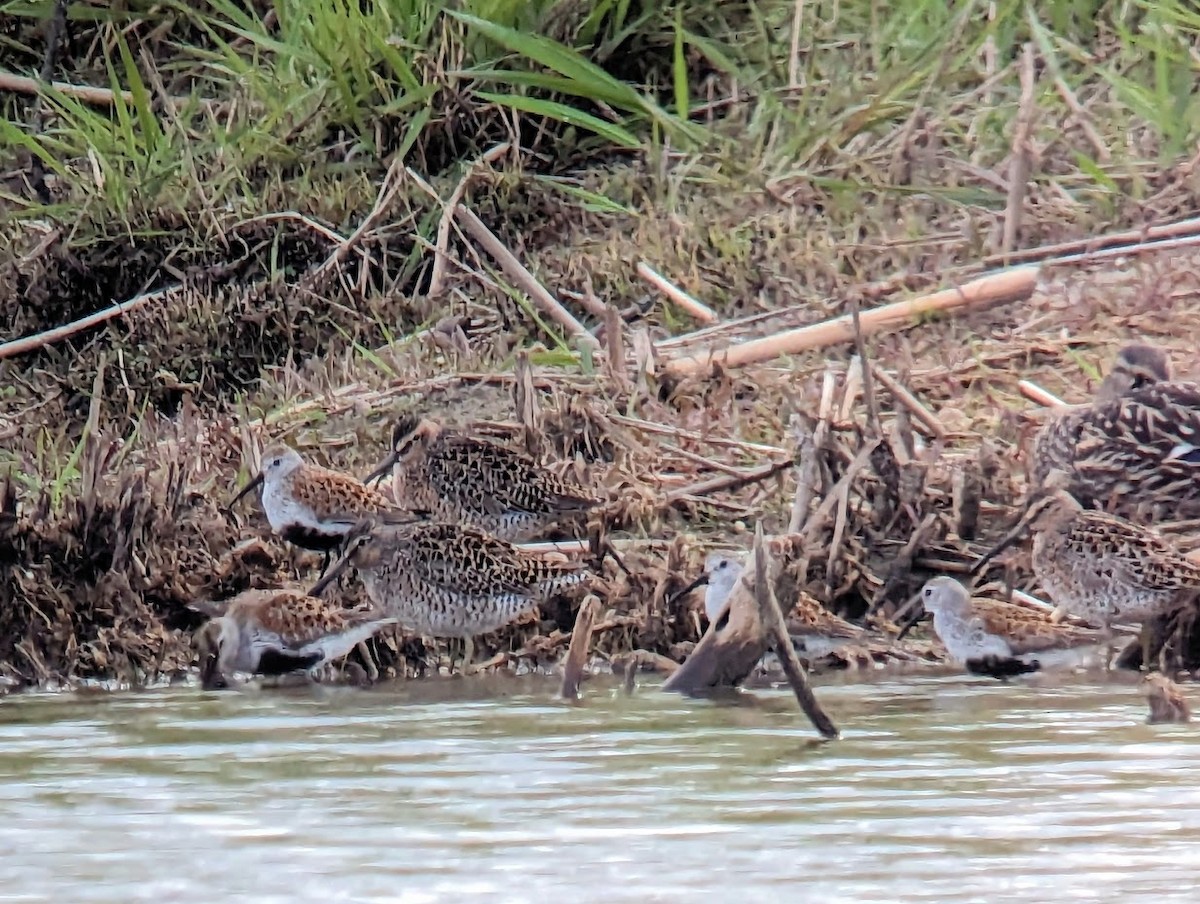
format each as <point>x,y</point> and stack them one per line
<point>979,294</point>
<point>581,641</point>
<point>698,309</point>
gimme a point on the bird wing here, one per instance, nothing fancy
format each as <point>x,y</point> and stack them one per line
<point>1138,555</point>
<point>509,480</point>
<point>467,561</point>
<point>336,497</point>
<point>1028,631</point>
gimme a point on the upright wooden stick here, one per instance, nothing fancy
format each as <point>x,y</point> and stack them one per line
<point>776,625</point>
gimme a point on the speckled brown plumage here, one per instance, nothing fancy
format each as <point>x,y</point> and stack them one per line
<point>310,506</point>
<point>809,620</point>
<point>1102,568</point>
<point>474,481</point>
<point>975,628</point>
<point>449,580</point>
<point>1136,450</point>
<point>274,631</point>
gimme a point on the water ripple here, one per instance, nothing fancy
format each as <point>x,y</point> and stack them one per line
<point>943,789</point>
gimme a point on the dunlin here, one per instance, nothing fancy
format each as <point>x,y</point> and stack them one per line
<point>272,632</point>
<point>1001,639</point>
<point>449,580</point>
<point>474,481</point>
<point>310,506</point>
<point>814,630</point>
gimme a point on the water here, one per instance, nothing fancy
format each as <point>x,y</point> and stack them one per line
<point>943,789</point>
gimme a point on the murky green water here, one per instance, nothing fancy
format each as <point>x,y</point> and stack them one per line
<point>944,789</point>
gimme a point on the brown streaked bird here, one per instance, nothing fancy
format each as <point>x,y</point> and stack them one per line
<point>273,632</point>
<point>1098,567</point>
<point>310,506</point>
<point>1135,451</point>
<point>816,632</point>
<point>449,580</point>
<point>1166,700</point>
<point>473,481</point>
<point>999,639</point>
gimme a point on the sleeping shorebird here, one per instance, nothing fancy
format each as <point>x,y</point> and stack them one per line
<point>310,506</point>
<point>814,630</point>
<point>1000,639</point>
<point>1098,567</point>
<point>449,580</point>
<point>1135,450</point>
<point>273,632</point>
<point>473,481</point>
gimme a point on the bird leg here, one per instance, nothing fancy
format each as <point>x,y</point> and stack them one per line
<point>326,558</point>
<point>468,656</point>
<point>1145,636</point>
<point>369,663</point>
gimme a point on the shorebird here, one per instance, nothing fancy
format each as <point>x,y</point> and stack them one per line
<point>1000,639</point>
<point>814,630</point>
<point>449,580</point>
<point>1098,567</point>
<point>1135,451</point>
<point>473,481</point>
<point>273,632</point>
<point>310,506</point>
<point>1167,703</point>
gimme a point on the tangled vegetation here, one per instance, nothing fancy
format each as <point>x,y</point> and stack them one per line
<point>262,187</point>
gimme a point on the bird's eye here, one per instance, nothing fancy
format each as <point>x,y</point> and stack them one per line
<point>276,462</point>
<point>928,592</point>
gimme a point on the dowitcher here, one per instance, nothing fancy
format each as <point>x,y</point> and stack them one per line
<point>1098,567</point>
<point>814,630</point>
<point>1000,639</point>
<point>1167,703</point>
<point>272,632</point>
<point>474,481</point>
<point>310,506</point>
<point>1135,451</point>
<point>449,580</point>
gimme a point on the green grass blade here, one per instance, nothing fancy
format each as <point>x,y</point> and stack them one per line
<point>563,113</point>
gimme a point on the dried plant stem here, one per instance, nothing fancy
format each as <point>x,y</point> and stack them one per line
<point>581,639</point>
<point>926,417</point>
<point>979,294</point>
<point>1078,249</point>
<point>49,337</point>
<point>441,256</point>
<point>1035,393</point>
<point>697,309</point>
<point>1021,155</point>
<point>516,271</point>
<point>728,481</point>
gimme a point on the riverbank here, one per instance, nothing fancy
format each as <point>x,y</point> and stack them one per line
<point>293,259</point>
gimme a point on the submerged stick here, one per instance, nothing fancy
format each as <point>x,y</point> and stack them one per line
<point>581,641</point>
<point>775,623</point>
<point>979,294</point>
